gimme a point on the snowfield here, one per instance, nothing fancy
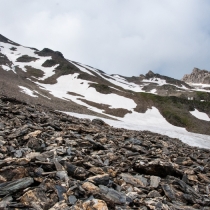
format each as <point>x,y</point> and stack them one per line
<point>71,83</point>
<point>153,121</point>
<point>21,50</point>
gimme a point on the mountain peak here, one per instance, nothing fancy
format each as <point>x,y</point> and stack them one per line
<point>197,76</point>
<point>150,73</point>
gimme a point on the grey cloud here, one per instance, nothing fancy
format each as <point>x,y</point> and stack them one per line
<point>125,37</point>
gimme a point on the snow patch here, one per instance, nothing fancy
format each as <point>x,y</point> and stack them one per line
<point>158,81</point>
<point>200,115</point>
<point>6,68</point>
<point>71,83</point>
<point>27,91</point>
<point>153,121</point>
<point>37,64</point>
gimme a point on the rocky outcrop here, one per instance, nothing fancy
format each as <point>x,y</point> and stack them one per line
<point>197,76</point>
<point>49,160</point>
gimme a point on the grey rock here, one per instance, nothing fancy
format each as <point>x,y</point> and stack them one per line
<point>72,199</point>
<point>13,186</point>
<point>133,180</point>
<point>99,179</point>
<point>112,195</point>
<point>197,76</point>
<point>60,192</point>
<point>154,181</point>
<point>169,192</point>
<point>154,194</point>
<point>18,153</point>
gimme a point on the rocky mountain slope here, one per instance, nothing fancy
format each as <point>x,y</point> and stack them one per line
<point>197,76</point>
<point>46,77</point>
<point>50,160</point>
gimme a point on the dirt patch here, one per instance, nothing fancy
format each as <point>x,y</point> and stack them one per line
<point>13,48</point>
<point>101,88</point>
<point>74,94</point>
<point>49,63</point>
<point>34,72</point>
<point>114,112</point>
<point>26,59</point>
<point>4,60</point>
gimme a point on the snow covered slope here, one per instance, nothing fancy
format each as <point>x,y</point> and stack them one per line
<point>146,102</point>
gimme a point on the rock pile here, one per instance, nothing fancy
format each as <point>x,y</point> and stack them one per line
<point>197,76</point>
<point>49,160</point>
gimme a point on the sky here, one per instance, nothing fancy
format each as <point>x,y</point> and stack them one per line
<point>126,37</point>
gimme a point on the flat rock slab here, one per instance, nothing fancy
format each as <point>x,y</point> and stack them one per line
<point>13,186</point>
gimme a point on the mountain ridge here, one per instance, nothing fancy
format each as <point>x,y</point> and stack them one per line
<point>47,77</point>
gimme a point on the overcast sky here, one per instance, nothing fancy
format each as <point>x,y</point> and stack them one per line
<point>127,37</point>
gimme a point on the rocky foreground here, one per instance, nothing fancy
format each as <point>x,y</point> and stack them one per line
<point>49,160</point>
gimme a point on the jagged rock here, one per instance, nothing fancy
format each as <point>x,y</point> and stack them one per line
<point>5,201</point>
<point>60,205</point>
<point>74,171</point>
<point>169,192</point>
<point>13,186</point>
<point>154,181</point>
<point>112,196</point>
<point>158,168</point>
<point>72,199</point>
<point>154,194</point>
<point>61,192</point>
<point>132,180</point>
<point>197,76</point>
<point>91,188</point>
<point>95,204</point>
<point>36,198</point>
<point>99,179</point>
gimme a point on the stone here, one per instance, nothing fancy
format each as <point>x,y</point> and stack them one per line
<point>169,192</point>
<point>158,168</point>
<point>154,194</point>
<point>154,181</point>
<point>94,204</point>
<point>75,171</point>
<point>99,179</point>
<point>90,187</point>
<point>36,197</point>
<point>13,186</point>
<point>60,205</point>
<point>72,199</point>
<point>112,196</point>
<point>132,180</point>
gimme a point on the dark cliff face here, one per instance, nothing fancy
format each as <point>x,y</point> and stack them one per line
<point>197,76</point>
<point>5,40</point>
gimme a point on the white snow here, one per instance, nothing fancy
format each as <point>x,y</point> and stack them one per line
<point>200,86</point>
<point>27,91</point>
<point>153,121</point>
<point>153,91</point>
<point>200,115</point>
<point>117,80</point>
<point>71,83</point>
<point>37,64</point>
<point>82,69</point>
<point>6,68</point>
<point>158,81</point>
